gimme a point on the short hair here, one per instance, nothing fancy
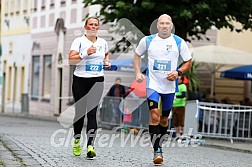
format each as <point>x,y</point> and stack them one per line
<point>118,78</point>
<point>92,17</point>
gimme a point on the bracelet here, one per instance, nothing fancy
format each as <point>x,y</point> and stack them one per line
<point>179,73</point>
<point>106,62</point>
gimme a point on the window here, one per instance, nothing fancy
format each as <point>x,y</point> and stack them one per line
<point>12,7</point>
<point>42,21</point>
<point>14,89</point>
<point>47,74</point>
<point>22,81</point>
<point>17,8</point>
<point>51,19</point>
<point>73,16</point>
<point>35,77</point>
<point>43,5</point>
<point>9,83</point>
<point>10,48</point>
<point>35,22</point>
<point>25,5</point>
<point>6,7</point>
<point>35,5</point>
<point>63,3</point>
<point>63,15</point>
<point>52,4</point>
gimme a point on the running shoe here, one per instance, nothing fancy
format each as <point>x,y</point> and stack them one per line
<point>90,152</point>
<point>77,147</point>
<point>158,156</point>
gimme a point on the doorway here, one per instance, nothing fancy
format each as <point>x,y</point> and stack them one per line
<point>59,90</point>
<point>3,92</point>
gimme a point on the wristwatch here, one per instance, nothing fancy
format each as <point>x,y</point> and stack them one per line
<point>179,73</point>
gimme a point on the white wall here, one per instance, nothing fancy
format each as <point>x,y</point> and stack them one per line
<point>22,45</point>
<point>57,11</point>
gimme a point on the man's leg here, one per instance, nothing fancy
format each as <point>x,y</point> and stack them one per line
<point>167,102</point>
<point>163,126</point>
<point>154,130</point>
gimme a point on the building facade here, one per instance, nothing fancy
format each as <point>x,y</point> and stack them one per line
<point>237,90</point>
<point>16,51</point>
<point>1,77</point>
<point>55,25</point>
<point>37,35</point>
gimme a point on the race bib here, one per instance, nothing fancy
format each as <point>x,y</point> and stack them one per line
<point>162,65</point>
<point>93,66</point>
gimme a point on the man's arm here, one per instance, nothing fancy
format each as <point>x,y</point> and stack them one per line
<point>186,66</point>
<point>172,76</point>
<point>137,65</point>
<point>111,91</point>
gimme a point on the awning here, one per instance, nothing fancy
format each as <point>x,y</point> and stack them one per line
<point>241,72</point>
<point>214,57</point>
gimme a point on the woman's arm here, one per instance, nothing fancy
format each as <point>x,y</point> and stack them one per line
<point>106,61</point>
<point>74,57</point>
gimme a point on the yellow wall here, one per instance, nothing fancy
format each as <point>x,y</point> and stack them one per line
<point>235,40</point>
<point>15,15</point>
<point>16,32</point>
<point>235,89</point>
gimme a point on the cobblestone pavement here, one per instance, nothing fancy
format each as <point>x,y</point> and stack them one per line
<point>46,143</point>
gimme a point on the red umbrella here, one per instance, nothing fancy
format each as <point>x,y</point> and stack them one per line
<point>139,88</point>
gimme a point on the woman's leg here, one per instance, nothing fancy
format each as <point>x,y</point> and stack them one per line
<point>94,98</point>
<point>80,89</point>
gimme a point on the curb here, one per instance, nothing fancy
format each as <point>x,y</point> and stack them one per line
<point>29,116</point>
<point>228,148</point>
<point>16,155</point>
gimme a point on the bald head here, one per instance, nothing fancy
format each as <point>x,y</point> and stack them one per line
<point>164,26</point>
<point>164,16</point>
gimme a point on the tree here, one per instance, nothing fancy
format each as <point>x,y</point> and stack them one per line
<point>190,17</point>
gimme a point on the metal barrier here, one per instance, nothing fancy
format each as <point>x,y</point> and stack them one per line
<point>130,112</point>
<point>207,119</point>
<point>224,121</point>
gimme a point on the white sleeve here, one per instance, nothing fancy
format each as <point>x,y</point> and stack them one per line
<point>141,48</point>
<point>106,47</point>
<point>76,45</point>
<point>184,51</point>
